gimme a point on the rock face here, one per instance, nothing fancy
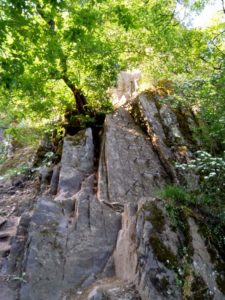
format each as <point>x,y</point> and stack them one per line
<point>129,168</point>
<point>70,240</point>
<point>103,235</point>
<point>156,258</point>
<point>127,87</point>
<point>77,162</point>
<point>153,279</point>
<point>202,264</point>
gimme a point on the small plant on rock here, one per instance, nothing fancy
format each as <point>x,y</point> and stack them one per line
<point>211,175</point>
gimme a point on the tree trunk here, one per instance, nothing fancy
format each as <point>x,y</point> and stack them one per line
<point>80,100</point>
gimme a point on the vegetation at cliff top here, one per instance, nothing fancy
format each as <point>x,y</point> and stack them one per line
<point>62,55</point>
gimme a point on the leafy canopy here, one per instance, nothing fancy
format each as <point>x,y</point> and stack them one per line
<point>50,48</point>
<point>54,53</point>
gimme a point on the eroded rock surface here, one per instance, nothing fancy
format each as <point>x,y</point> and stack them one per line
<point>105,236</point>
<point>202,264</point>
<point>70,240</point>
<point>163,263</point>
<point>114,291</point>
<point>17,197</point>
<point>135,257</point>
<point>77,162</point>
<point>129,168</point>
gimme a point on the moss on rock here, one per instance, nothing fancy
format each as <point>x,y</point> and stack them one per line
<point>182,120</point>
<point>220,279</point>
<point>161,284</point>
<point>163,253</point>
<point>155,216</point>
<point>199,289</point>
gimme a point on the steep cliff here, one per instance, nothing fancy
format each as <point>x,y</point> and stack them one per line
<point>105,235</point>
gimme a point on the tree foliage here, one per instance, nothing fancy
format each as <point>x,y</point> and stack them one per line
<point>58,54</point>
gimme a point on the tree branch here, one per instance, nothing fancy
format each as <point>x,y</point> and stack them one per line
<point>223,6</point>
<point>206,61</point>
<point>80,99</point>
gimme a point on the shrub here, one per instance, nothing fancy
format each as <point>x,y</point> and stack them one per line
<point>211,174</point>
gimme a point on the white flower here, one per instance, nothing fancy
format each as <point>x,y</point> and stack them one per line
<point>212,174</point>
<point>191,166</point>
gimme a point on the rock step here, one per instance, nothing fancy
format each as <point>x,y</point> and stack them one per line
<point>111,288</point>
<point>8,229</point>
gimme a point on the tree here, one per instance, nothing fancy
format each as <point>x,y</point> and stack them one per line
<point>56,53</point>
<point>60,45</point>
<point>53,51</point>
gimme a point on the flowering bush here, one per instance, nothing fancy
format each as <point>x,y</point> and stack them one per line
<point>210,171</point>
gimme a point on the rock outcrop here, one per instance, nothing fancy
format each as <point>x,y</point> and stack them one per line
<point>104,235</point>
<point>159,260</point>
<point>72,236</point>
<point>143,230</point>
<point>129,168</point>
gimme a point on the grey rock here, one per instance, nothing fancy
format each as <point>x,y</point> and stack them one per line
<point>15,260</point>
<point>202,264</point>
<point>45,177</point>
<point>125,292</point>
<point>129,168</point>
<point>146,113</point>
<point>64,252</point>
<point>54,180</point>
<point>109,270</point>
<point>73,244</point>
<point>170,121</point>
<point>151,115</point>
<point>8,232</point>
<point>169,140</point>
<point>71,237</point>
<point>114,290</point>
<point>2,221</point>
<point>135,260</point>
<point>5,292</point>
<point>68,205</point>
<point>125,255</point>
<point>97,294</point>
<point>77,162</point>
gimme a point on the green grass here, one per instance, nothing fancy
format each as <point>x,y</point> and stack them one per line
<point>176,194</point>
